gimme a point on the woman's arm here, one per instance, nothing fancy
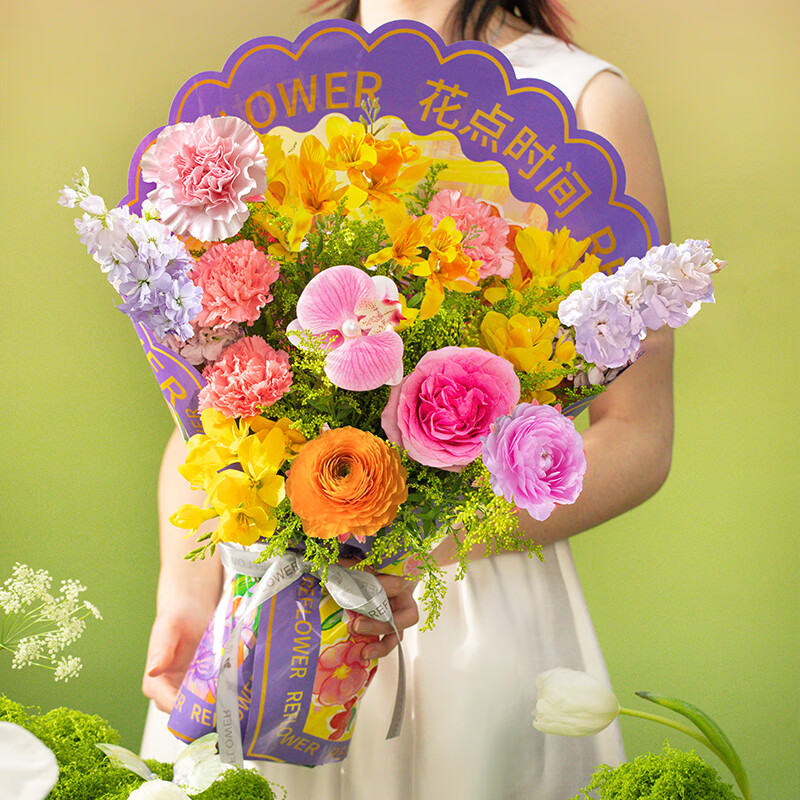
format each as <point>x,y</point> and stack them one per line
<point>188,591</point>
<point>629,441</point>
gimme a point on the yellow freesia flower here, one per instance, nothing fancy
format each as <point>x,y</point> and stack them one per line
<point>244,526</point>
<point>204,459</point>
<point>228,431</point>
<point>243,499</point>
<point>191,517</point>
<point>294,440</point>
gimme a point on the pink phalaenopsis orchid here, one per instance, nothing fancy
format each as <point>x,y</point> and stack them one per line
<point>357,314</point>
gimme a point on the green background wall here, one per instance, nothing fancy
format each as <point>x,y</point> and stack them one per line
<point>695,594</point>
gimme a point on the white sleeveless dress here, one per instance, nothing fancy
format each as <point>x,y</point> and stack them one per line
<point>467,732</point>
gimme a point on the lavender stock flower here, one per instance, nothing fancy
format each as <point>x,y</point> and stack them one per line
<point>608,326</point>
<point>612,313</point>
<point>145,262</point>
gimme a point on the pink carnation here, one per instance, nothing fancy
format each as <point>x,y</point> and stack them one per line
<point>204,171</point>
<point>485,233</point>
<point>205,346</point>
<point>249,376</point>
<point>441,410</point>
<point>235,279</point>
<point>536,459</point>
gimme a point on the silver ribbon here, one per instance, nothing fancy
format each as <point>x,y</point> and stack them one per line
<point>354,590</point>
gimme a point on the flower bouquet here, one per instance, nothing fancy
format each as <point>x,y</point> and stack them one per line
<point>365,354</point>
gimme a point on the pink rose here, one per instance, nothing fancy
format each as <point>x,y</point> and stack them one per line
<point>203,171</point>
<point>441,410</point>
<point>235,279</point>
<point>536,459</point>
<point>249,375</point>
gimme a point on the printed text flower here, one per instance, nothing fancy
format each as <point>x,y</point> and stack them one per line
<point>342,672</point>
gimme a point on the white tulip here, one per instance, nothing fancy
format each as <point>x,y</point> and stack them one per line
<point>158,790</point>
<point>28,768</point>
<point>572,703</point>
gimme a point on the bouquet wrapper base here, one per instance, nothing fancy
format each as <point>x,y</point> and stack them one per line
<point>298,671</point>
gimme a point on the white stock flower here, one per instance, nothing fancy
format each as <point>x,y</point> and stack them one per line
<point>572,703</point>
<point>93,204</point>
<point>68,197</point>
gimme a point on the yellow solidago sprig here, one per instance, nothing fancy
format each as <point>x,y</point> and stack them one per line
<point>533,347</point>
<point>243,499</point>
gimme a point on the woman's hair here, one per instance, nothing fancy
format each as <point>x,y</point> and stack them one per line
<point>470,18</point>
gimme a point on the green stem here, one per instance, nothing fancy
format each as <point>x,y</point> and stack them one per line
<point>676,725</point>
<point>741,780</point>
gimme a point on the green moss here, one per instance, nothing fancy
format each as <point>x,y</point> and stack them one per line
<point>85,773</point>
<point>239,784</point>
<point>668,775</point>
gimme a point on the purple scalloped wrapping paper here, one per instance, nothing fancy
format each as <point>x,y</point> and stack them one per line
<point>468,90</point>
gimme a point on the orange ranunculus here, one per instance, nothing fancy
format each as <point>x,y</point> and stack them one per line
<point>346,481</point>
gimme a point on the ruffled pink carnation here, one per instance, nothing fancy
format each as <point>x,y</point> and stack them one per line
<point>203,172</point>
<point>249,376</point>
<point>235,279</point>
<point>441,410</point>
<point>485,233</point>
<point>535,458</point>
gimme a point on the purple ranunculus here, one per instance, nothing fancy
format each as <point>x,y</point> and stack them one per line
<point>535,458</point>
<point>441,410</point>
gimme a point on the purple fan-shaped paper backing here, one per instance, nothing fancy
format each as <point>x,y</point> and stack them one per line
<point>468,89</point>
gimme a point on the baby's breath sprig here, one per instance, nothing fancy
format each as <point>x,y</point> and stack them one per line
<point>37,626</point>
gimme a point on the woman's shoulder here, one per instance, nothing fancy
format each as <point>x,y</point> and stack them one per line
<point>544,57</point>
